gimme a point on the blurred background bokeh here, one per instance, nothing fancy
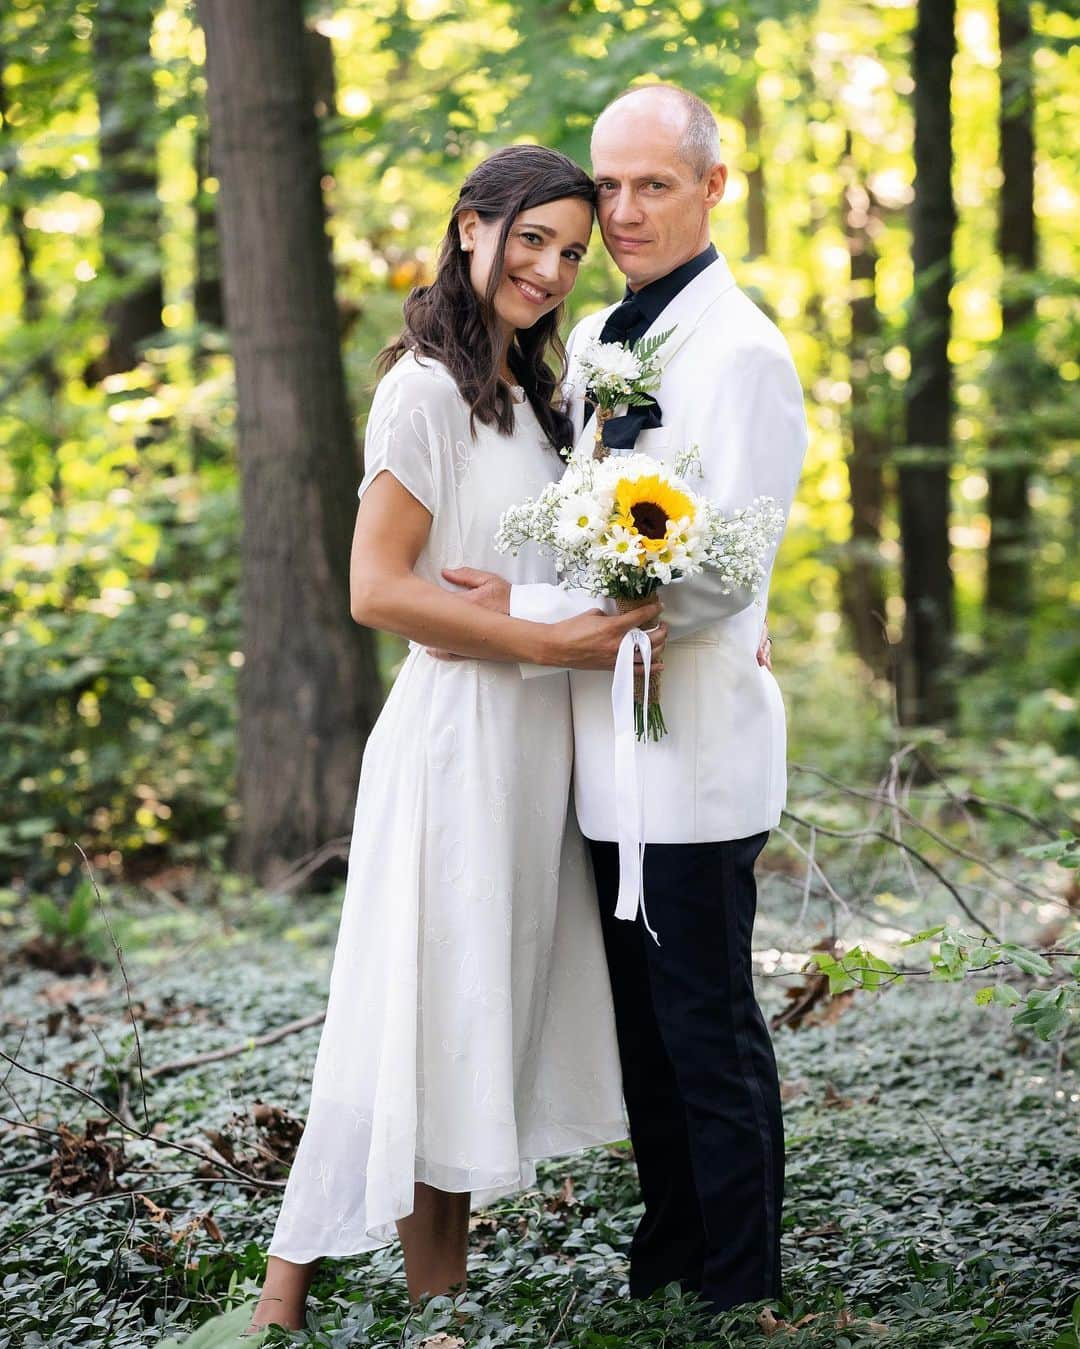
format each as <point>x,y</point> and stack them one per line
<point>123,523</point>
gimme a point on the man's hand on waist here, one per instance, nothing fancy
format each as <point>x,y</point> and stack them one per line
<point>480,587</point>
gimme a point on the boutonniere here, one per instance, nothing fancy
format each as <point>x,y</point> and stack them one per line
<point>617,375</point>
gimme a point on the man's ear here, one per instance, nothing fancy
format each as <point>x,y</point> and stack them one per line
<point>715,184</point>
<point>467,223</point>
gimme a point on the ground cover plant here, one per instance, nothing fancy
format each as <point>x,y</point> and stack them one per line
<point>933,1187</point>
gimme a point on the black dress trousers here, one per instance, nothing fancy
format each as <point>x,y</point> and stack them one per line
<point>699,1076</point>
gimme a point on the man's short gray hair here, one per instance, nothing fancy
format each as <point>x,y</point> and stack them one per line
<point>700,143</point>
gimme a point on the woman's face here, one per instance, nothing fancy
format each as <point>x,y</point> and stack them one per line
<point>545,245</point>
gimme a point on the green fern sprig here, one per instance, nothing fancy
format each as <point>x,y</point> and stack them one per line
<point>645,348</point>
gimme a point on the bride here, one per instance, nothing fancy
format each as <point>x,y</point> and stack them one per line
<point>469,1028</point>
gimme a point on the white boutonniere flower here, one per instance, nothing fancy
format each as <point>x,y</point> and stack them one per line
<point>617,375</point>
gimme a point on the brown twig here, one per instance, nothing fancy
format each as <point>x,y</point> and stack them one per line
<point>145,1135</point>
<point>562,1319</point>
<point>942,1144</point>
<point>25,1124</point>
<point>908,848</point>
<point>124,976</point>
<point>916,823</point>
<point>43,1165</point>
<point>310,862</point>
<point>116,1194</point>
<point>256,1042</point>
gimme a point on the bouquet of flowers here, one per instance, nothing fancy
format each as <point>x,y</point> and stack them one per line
<point>616,374</point>
<point>621,527</point>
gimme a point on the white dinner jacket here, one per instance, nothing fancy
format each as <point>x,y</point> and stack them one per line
<point>729,388</point>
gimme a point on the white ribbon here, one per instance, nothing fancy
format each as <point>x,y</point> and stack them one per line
<point>629,793</point>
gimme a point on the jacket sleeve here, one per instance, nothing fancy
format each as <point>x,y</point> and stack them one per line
<point>543,603</point>
<point>760,426</point>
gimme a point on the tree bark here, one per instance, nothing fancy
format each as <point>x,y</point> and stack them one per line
<point>925,691</point>
<point>130,227</point>
<point>32,310</point>
<point>209,300</point>
<point>309,689</point>
<point>861,584</point>
<point>1008,567</point>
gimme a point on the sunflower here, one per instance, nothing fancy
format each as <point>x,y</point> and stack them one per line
<point>648,507</point>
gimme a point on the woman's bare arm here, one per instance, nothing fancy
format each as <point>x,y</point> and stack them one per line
<point>391,530</point>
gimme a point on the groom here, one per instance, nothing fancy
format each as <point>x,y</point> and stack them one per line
<point>699,1075</point>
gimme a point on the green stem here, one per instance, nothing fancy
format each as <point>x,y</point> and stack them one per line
<point>657,727</point>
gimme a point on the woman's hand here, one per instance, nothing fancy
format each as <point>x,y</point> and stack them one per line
<point>591,640</point>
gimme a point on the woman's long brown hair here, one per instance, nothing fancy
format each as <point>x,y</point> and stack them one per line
<point>449,322</point>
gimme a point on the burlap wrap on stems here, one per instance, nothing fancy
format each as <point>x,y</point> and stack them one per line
<point>600,450</point>
<point>625,605</point>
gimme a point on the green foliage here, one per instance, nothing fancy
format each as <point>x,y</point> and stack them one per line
<point>925,1186</point>
<point>119,537</point>
<point>1065,851</point>
<point>117,688</point>
<point>73,923</point>
<point>957,954</point>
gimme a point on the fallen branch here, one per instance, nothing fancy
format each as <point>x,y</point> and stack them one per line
<point>124,976</point>
<point>198,1153</point>
<point>912,819</point>
<point>43,1165</point>
<point>962,903</point>
<point>107,1198</point>
<point>303,867</point>
<point>255,1042</point>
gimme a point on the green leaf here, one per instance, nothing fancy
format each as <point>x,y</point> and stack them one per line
<point>1028,961</point>
<point>925,935</point>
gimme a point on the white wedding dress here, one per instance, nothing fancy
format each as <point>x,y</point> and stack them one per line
<point>469,1029</point>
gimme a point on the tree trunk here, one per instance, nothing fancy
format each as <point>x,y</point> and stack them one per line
<point>32,311</point>
<point>925,693</point>
<point>209,303</point>
<point>1008,567</point>
<point>130,227</point>
<point>309,690</point>
<point>861,584</point>
<point>757,218</point>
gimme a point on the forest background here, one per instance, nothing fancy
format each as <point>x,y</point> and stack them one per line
<point>209,219</point>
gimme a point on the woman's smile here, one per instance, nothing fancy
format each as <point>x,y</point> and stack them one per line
<point>534,294</point>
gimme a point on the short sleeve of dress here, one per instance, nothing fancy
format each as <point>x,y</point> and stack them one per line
<point>409,420</point>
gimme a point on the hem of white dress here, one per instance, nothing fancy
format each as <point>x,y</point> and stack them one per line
<point>485,1188</point>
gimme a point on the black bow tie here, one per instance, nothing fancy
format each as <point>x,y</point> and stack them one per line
<point>622,320</point>
<point>620,433</point>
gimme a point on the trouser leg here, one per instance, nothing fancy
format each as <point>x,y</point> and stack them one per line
<point>669,1243</point>
<point>701,898</point>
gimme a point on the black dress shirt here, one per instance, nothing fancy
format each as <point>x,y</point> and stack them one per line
<point>630,320</point>
<point>640,309</point>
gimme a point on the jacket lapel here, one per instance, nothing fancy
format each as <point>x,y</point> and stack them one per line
<point>684,314</point>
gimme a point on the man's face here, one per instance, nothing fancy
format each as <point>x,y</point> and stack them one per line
<point>652,206</point>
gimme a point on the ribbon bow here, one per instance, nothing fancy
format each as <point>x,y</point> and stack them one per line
<point>629,794</point>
